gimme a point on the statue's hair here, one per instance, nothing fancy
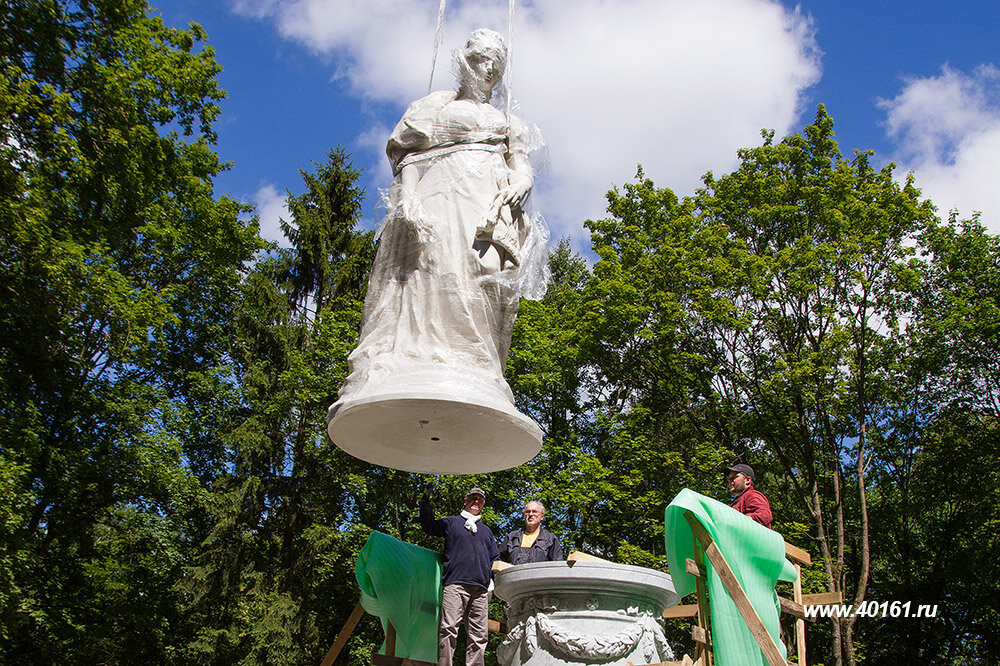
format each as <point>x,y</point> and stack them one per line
<point>492,40</point>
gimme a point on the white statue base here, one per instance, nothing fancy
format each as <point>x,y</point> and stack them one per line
<point>425,426</point>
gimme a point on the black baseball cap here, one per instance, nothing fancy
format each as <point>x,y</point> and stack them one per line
<point>745,470</point>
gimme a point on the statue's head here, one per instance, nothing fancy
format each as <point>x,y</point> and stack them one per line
<point>482,62</point>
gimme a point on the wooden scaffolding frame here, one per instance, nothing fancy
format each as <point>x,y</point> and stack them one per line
<point>389,658</point>
<point>704,546</point>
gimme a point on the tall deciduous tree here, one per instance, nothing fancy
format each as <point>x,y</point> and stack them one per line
<point>658,423</point>
<point>118,274</point>
<point>757,317</point>
<point>823,243</point>
<point>937,491</point>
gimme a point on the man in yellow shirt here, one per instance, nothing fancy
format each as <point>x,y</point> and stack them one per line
<point>533,543</point>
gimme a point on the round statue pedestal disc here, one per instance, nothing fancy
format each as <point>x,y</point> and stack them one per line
<point>434,435</point>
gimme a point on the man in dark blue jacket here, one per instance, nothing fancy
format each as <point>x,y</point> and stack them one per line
<point>533,543</point>
<point>469,553</point>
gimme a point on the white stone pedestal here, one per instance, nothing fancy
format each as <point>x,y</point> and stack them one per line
<point>563,614</point>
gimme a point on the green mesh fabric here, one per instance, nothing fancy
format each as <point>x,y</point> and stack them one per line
<point>755,554</point>
<point>401,583</point>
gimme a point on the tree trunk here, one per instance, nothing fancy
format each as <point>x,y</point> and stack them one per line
<point>865,546</point>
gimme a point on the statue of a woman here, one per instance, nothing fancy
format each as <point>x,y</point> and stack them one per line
<point>426,381</point>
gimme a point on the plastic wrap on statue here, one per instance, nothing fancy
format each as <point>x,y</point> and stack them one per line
<point>426,391</point>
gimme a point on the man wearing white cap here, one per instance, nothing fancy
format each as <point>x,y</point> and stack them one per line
<point>469,553</point>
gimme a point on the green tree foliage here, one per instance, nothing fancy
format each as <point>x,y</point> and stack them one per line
<point>273,574</point>
<point>935,509</point>
<point>821,270</point>
<point>762,316</point>
<point>935,474</point>
<point>167,490</point>
<point>659,426</point>
<point>956,321</point>
<point>119,271</point>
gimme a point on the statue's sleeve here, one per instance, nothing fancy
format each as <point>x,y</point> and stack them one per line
<point>415,130</point>
<point>520,137</point>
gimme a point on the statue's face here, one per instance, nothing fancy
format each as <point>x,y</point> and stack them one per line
<point>485,65</point>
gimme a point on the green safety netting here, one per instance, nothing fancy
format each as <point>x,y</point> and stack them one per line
<point>401,583</point>
<point>755,554</point>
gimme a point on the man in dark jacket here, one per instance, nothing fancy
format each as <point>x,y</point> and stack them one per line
<point>469,553</point>
<point>533,543</point>
<point>749,501</point>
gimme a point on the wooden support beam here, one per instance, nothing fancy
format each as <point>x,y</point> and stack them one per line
<point>687,610</point>
<point>822,599</point>
<point>800,624</point>
<point>497,626</point>
<point>793,609</point>
<point>736,592</point>
<point>580,556</point>
<point>695,569</point>
<point>699,635</point>
<point>701,588</point>
<point>797,555</point>
<point>345,633</point>
<point>390,639</point>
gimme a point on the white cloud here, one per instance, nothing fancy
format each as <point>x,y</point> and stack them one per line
<point>271,206</point>
<point>676,85</point>
<point>947,130</point>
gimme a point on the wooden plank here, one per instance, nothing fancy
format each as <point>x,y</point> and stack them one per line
<point>822,599</point>
<point>385,660</point>
<point>687,610</point>
<point>693,568</point>
<point>500,565</point>
<point>699,635</point>
<point>345,633</point>
<point>792,608</point>
<point>497,626</point>
<point>580,556</point>
<point>390,639</point>
<point>797,555</point>
<point>735,590</point>
<point>704,614</point>
<point>800,623</point>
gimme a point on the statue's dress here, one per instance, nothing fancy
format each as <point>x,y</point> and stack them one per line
<point>440,306</point>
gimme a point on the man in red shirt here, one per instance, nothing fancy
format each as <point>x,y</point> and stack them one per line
<point>749,501</point>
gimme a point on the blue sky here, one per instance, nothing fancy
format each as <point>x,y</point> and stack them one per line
<point>676,85</point>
